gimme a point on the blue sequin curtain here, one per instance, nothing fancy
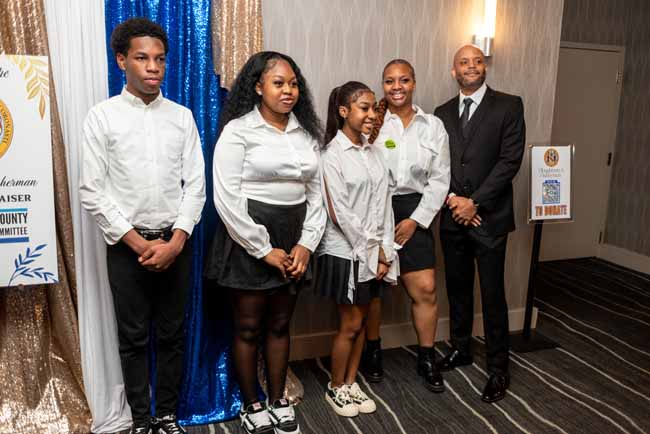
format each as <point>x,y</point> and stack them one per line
<point>208,392</point>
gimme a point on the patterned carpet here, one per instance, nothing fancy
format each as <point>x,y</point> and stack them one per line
<point>598,381</point>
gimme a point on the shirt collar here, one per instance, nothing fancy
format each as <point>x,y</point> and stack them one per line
<point>346,143</point>
<point>477,96</point>
<point>137,101</point>
<point>255,120</point>
<point>418,113</point>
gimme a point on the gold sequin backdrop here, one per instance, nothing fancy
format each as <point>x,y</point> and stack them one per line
<point>41,388</point>
<point>236,35</point>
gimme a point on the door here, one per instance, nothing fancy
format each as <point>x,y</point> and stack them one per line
<point>587,96</point>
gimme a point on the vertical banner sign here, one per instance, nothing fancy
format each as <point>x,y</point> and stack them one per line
<point>27,228</point>
<point>550,182</point>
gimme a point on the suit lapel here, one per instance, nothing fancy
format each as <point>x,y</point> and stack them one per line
<point>475,120</point>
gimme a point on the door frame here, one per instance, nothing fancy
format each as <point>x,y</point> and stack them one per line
<point>612,148</point>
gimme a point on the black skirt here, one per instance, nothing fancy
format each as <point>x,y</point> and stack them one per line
<point>331,279</point>
<point>419,253</point>
<point>231,266</point>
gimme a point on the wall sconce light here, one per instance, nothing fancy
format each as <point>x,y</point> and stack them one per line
<point>484,36</point>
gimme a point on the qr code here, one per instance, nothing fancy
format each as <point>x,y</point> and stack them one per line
<point>551,192</point>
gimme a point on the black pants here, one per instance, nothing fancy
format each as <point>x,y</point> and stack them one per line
<point>460,250</point>
<point>140,296</point>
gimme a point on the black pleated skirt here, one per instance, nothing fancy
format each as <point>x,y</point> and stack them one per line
<point>331,280</point>
<point>231,266</point>
<point>419,253</point>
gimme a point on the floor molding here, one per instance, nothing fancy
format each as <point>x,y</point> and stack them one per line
<point>624,258</point>
<point>394,335</point>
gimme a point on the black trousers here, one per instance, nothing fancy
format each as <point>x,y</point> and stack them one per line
<point>461,248</point>
<point>140,296</point>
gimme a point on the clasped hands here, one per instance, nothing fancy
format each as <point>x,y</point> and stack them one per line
<point>293,264</point>
<point>463,211</point>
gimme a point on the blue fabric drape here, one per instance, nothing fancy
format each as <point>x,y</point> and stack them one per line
<point>208,392</point>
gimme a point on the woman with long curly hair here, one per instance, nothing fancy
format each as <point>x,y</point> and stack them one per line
<point>267,194</point>
<point>416,149</point>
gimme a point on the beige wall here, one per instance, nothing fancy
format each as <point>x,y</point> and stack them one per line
<point>338,40</point>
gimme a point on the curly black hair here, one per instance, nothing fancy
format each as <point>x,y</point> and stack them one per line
<point>134,28</point>
<point>243,97</point>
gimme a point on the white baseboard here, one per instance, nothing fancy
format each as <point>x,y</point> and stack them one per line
<point>624,258</point>
<point>394,335</point>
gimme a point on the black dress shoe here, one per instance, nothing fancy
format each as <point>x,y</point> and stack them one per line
<point>372,362</point>
<point>454,360</point>
<point>495,389</point>
<point>428,370</point>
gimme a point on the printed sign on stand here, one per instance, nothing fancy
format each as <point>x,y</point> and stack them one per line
<point>550,182</point>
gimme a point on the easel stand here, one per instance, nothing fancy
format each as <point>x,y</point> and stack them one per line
<point>528,340</point>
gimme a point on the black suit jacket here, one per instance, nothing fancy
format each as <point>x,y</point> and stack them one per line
<point>484,163</point>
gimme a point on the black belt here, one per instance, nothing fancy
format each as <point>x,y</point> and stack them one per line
<point>155,234</point>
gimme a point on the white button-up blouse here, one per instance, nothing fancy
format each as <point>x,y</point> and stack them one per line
<point>254,160</point>
<point>358,185</point>
<point>418,159</point>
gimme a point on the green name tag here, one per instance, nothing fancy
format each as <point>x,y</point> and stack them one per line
<point>390,144</point>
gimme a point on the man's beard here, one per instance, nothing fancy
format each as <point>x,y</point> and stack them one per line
<point>471,85</point>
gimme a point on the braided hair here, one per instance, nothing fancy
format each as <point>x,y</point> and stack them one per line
<point>382,106</point>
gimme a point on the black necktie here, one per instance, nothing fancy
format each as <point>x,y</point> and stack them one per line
<point>464,119</point>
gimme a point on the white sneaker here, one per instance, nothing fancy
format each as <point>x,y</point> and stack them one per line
<point>340,401</point>
<point>283,417</point>
<point>360,399</point>
<point>255,419</point>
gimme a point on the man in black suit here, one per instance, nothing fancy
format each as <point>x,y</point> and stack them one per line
<point>486,139</point>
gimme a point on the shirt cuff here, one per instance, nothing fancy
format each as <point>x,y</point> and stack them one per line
<point>113,232</point>
<point>184,223</point>
<point>262,252</point>
<point>422,218</point>
<point>308,243</point>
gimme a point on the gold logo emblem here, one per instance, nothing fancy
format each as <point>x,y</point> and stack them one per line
<point>551,157</point>
<point>6,128</point>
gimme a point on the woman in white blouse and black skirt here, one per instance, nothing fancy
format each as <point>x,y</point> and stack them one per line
<point>267,194</point>
<point>416,149</point>
<point>356,253</point>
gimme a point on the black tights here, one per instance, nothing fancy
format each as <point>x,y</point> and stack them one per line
<point>260,315</point>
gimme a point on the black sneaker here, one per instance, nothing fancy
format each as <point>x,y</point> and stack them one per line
<point>140,428</point>
<point>283,417</point>
<point>167,425</point>
<point>255,419</point>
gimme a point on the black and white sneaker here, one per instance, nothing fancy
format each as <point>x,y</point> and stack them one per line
<point>140,428</point>
<point>255,419</point>
<point>283,417</point>
<point>339,399</point>
<point>167,425</point>
<point>360,399</point>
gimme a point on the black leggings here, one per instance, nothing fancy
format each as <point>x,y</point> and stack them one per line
<point>262,315</point>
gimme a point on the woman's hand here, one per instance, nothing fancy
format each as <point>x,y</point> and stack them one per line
<point>382,269</point>
<point>405,230</point>
<point>279,259</point>
<point>299,257</point>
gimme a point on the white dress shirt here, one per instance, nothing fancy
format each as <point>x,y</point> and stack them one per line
<point>141,166</point>
<point>476,98</point>
<point>419,162</point>
<point>255,160</point>
<point>358,185</point>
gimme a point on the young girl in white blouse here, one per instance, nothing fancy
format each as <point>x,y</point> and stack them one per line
<point>416,149</point>
<point>267,194</point>
<point>356,253</point>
